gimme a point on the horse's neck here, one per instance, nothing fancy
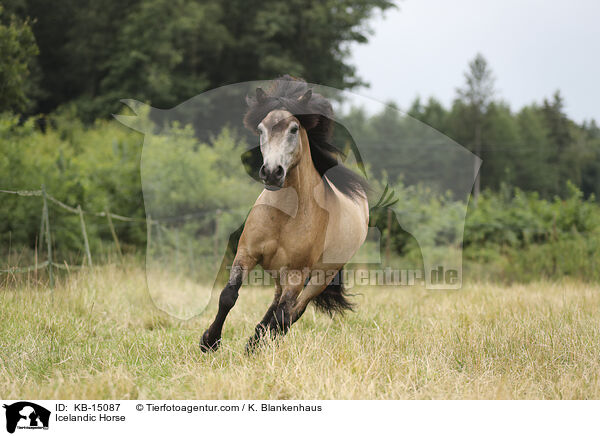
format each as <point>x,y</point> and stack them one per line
<point>305,179</point>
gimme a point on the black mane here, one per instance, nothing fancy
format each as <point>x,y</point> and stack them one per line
<point>316,116</point>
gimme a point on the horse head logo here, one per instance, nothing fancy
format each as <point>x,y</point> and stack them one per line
<point>24,414</point>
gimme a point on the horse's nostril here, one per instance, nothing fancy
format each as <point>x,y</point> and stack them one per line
<point>270,176</point>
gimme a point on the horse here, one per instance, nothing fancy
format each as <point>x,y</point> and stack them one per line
<point>309,220</point>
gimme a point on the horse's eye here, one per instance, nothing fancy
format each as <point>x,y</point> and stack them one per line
<point>294,130</point>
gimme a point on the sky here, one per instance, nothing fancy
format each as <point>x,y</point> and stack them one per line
<point>533,48</point>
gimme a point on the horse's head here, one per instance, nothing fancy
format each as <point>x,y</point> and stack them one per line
<point>281,146</point>
<point>282,117</point>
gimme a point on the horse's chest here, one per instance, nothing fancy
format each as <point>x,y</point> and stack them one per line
<point>294,246</point>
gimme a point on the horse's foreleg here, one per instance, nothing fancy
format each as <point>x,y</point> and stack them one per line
<point>212,336</point>
<point>314,287</point>
<point>263,325</point>
<point>284,316</point>
<point>294,301</point>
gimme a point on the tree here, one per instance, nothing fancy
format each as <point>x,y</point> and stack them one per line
<point>560,140</point>
<point>17,52</point>
<point>534,172</point>
<point>433,113</point>
<point>164,52</point>
<point>477,95</point>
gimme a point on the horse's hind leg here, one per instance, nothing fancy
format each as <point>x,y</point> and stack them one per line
<point>212,336</point>
<point>262,327</point>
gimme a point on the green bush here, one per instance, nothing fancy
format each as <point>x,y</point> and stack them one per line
<point>99,167</point>
<point>512,235</point>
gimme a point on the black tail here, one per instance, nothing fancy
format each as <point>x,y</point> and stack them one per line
<point>334,297</point>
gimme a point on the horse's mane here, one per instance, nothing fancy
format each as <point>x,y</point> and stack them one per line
<point>316,116</point>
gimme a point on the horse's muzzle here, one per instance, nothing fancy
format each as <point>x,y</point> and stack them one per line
<point>273,178</point>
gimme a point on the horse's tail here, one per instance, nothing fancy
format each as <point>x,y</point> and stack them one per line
<point>334,297</point>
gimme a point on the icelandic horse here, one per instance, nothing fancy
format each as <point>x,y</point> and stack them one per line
<point>307,223</point>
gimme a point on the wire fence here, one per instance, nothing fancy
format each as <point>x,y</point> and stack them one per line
<point>45,232</point>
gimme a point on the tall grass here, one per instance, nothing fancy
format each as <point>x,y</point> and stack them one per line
<point>98,335</point>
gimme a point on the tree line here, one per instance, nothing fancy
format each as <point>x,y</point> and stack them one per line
<point>90,54</point>
<point>536,148</point>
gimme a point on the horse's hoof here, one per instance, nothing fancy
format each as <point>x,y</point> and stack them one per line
<point>252,345</point>
<point>207,344</point>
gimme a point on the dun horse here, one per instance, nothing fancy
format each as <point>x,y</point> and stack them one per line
<point>308,222</point>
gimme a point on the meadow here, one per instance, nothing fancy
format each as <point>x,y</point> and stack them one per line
<point>99,336</point>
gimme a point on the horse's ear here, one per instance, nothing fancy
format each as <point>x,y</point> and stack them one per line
<point>139,121</point>
<point>306,97</point>
<point>261,96</point>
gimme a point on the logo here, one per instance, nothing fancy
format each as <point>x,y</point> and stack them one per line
<point>201,176</point>
<point>26,415</point>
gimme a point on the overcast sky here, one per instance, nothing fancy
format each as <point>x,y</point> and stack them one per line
<point>534,47</point>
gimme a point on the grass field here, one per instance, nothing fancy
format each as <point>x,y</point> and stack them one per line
<point>98,336</point>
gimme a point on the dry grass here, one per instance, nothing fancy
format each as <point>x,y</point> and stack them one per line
<point>99,336</point>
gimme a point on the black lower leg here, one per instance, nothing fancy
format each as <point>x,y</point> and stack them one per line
<point>212,336</point>
<point>282,318</point>
<point>262,327</point>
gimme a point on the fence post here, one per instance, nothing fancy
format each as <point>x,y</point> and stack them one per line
<point>85,237</point>
<point>48,241</point>
<point>42,230</point>
<point>114,234</point>
<point>36,264</point>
